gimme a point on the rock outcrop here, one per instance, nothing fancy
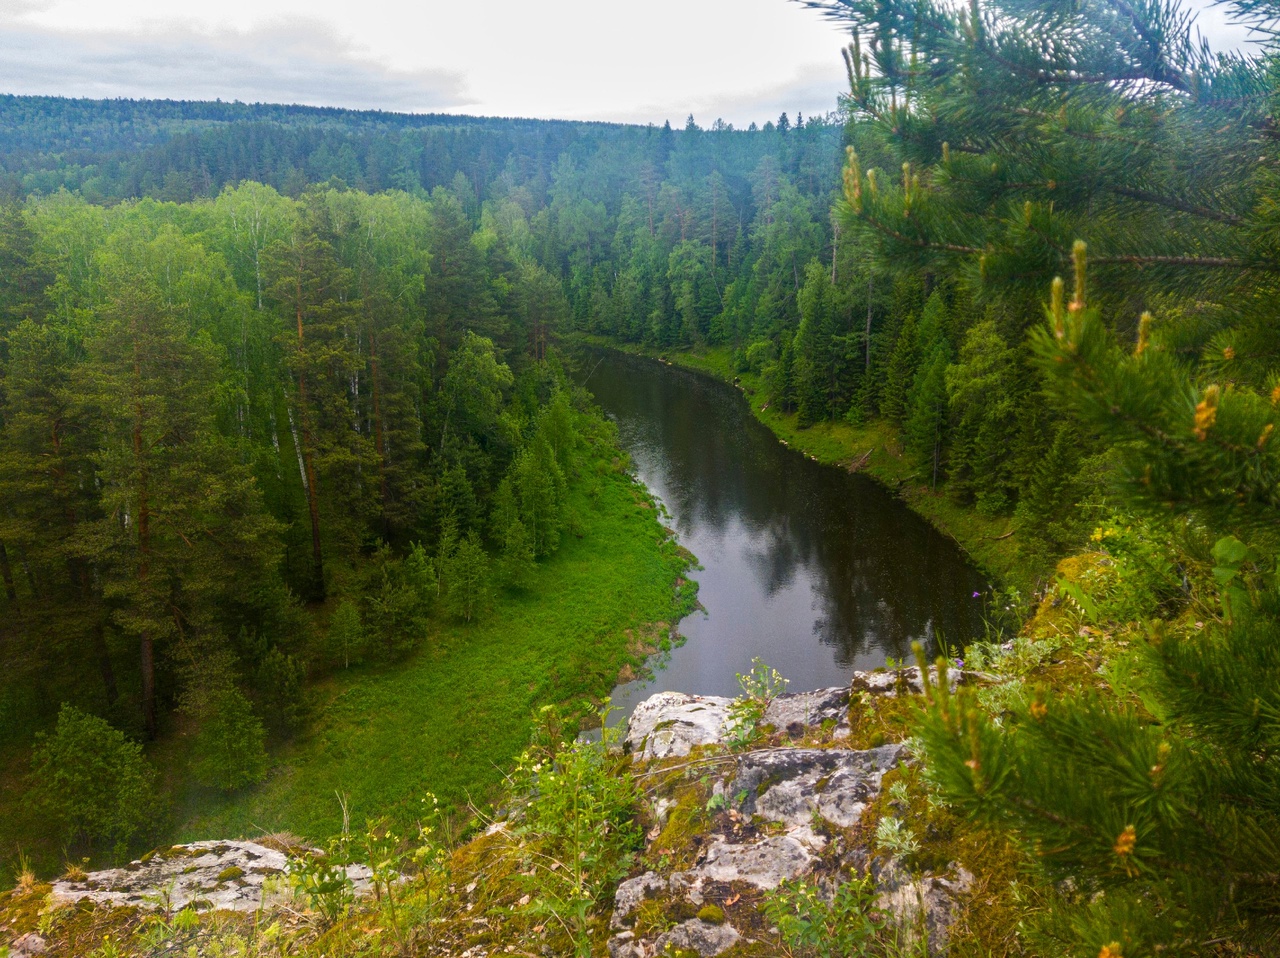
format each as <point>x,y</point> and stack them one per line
<point>214,876</point>
<point>777,813</point>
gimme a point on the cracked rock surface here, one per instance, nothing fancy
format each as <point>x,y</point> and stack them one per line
<point>670,724</point>
<point>781,813</point>
<point>215,876</point>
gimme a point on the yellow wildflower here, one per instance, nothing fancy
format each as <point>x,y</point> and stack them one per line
<point>1111,951</point>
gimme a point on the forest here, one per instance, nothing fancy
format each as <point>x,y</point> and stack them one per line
<point>286,390</point>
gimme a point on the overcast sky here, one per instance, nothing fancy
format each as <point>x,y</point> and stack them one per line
<point>740,60</point>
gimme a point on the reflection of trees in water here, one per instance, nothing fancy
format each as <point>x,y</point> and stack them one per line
<point>881,577</point>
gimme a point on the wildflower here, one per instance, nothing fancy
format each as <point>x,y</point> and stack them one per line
<point>1229,353</point>
<point>1111,951</point>
<point>1126,841</point>
<point>976,594</point>
<point>1039,710</point>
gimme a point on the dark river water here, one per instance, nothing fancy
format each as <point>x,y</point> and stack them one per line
<point>816,571</point>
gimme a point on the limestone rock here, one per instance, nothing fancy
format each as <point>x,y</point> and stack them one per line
<point>632,893</point>
<point>765,864</point>
<point>888,683</point>
<point>789,785</point>
<point>935,897</point>
<point>28,946</point>
<point>216,876</point>
<point>794,714</point>
<point>670,724</point>
<point>700,936</point>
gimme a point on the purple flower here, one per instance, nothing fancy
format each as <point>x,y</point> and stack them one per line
<point>976,594</point>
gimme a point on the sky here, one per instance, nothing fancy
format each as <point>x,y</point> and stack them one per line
<point>736,60</point>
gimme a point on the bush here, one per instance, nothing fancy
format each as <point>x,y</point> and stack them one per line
<point>279,685</point>
<point>346,638</point>
<point>92,780</point>
<point>578,832</point>
<point>228,752</point>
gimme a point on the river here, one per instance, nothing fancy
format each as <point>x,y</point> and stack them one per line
<point>816,571</point>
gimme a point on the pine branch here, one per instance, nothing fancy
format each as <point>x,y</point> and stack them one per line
<point>1175,204</point>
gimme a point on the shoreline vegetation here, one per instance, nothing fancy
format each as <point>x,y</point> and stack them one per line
<point>873,448</point>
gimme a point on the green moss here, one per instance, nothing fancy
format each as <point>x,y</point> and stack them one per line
<point>711,914</point>
<point>688,819</point>
<point>230,874</point>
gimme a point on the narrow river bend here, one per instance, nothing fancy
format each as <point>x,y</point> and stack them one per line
<point>814,570</point>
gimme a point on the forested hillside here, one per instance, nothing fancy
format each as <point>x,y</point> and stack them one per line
<point>714,238</point>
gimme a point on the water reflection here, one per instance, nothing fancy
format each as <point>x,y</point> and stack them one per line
<point>816,571</point>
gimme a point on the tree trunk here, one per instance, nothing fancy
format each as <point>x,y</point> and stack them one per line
<point>378,438</point>
<point>105,668</point>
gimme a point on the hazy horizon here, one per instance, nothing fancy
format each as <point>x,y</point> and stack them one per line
<point>745,61</point>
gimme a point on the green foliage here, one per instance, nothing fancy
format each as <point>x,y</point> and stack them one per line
<point>397,599</point>
<point>92,780</point>
<point>325,884</point>
<point>346,641</point>
<point>844,924</point>
<point>466,572</point>
<point>578,831</point>
<point>228,752</point>
<point>1154,801</point>
<point>983,400</point>
<point>280,681</point>
<point>759,687</point>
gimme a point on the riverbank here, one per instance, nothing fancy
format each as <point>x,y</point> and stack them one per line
<point>874,449</point>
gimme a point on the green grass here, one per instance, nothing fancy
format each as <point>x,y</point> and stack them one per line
<point>451,719</point>
<point>983,538</point>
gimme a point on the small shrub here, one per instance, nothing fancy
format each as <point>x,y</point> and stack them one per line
<point>92,780</point>
<point>579,831</point>
<point>346,638</point>
<point>228,752</point>
<point>844,925</point>
<point>279,682</point>
<point>759,687</point>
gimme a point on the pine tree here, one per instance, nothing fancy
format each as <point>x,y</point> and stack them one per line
<point>1154,816</point>
<point>926,425</point>
<point>181,524</point>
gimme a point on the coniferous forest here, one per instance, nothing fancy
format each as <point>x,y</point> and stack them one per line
<point>291,394</point>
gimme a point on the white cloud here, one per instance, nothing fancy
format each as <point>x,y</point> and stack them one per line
<point>284,61</point>
<point>740,60</point>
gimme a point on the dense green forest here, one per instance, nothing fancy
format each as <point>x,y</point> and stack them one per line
<point>707,238</point>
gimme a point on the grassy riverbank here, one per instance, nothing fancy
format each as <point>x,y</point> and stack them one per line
<point>450,719</point>
<point>874,449</point>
